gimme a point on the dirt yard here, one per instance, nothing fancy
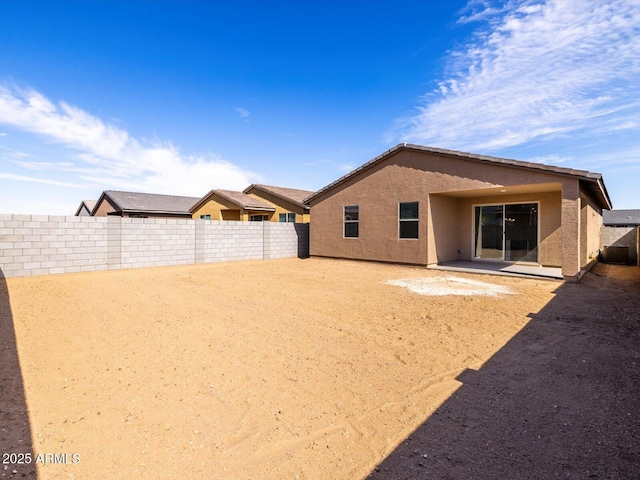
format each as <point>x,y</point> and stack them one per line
<point>318,369</point>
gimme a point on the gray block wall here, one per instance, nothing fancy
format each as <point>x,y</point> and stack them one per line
<point>41,245</point>
<point>621,236</point>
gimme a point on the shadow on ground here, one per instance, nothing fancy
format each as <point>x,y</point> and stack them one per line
<point>560,400</point>
<point>15,429</point>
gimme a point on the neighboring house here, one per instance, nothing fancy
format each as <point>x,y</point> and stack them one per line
<point>423,205</point>
<point>85,208</point>
<point>142,205</point>
<point>231,205</point>
<point>288,202</point>
<point>622,218</point>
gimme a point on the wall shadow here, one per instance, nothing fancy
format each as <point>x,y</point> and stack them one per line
<point>302,230</point>
<point>560,400</point>
<point>15,428</point>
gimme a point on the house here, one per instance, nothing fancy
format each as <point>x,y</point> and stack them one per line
<point>85,208</point>
<point>232,205</point>
<point>142,205</point>
<point>621,218</point>
<point>288,202</point>
<point>422,205</point>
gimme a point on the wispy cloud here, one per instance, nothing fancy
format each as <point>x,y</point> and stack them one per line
<point>107,156</point>
<point>243,112</point>
<point>552,158</point>
<point>25,178</point>
<point>538,70</point>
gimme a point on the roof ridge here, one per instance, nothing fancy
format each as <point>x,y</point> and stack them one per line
<point>471,156</point>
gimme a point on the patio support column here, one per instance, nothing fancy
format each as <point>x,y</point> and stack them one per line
<point>570,230</point>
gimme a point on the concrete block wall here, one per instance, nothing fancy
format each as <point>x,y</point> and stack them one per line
<point>155,242</point>
<point>41,245</point>
<point>230,240</point>
<point>621,236</point>
<point>286,240</point>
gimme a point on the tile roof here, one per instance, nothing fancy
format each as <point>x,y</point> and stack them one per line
<point>150,202</point>
<point>621,217</point>
<point>293,195</point>
<point>594,179</point>
<point>240,199</point>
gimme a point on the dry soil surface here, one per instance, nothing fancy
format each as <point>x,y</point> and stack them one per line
<point>319,369</point>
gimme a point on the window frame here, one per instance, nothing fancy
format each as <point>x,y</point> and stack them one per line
<point>346,222</point>
<point>289,217</point>
<point>407,220</point>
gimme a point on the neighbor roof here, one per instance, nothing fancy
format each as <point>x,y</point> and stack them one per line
<point>240,199</point>
<point>594,180</point>
<point>292,195</point>
<point>88,204</point>
<point>621,217</point>
<point>130,202</point>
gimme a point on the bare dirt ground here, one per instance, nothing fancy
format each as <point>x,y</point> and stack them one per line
<point>319,369</point>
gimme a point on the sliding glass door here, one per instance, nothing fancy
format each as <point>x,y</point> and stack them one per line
<point>506,232</point>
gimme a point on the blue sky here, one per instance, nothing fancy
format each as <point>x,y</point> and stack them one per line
<point>181,97</point>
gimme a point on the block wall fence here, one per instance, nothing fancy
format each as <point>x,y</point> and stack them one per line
<point>42,245</point>
<point>622,236</point>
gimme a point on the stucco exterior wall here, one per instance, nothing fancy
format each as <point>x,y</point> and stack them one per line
<point>408,176</point>
<point>222,209</point>
<point>104,208</point>
<point>590,227</point>
<point>214,207</point>
<point>281,206</point>
<point>549,224</point>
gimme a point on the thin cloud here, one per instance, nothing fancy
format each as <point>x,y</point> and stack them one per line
<point>108,156</point>
<point>551,159</point>
<point>542,70</point>
<point>25,178</point>
<point>243,112</point>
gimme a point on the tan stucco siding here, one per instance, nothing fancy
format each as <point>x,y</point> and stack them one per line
<point>570,229</point>
<point>549,224</point>
<point>446,235</point>
<point>281,206</point>
<point>412,176</point>
<point>590,227</point>
<point>377,195</point>
<point>214,207</point>
<point>105,207</point>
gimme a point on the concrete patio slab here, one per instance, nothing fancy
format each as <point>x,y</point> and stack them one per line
<point>498,268</point>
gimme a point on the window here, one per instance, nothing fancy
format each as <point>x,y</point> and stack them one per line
<point>408,220</point>
<point>287,217</point>
<point>205,217</point>
<point>351,221</point>
<point>259,218</point>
